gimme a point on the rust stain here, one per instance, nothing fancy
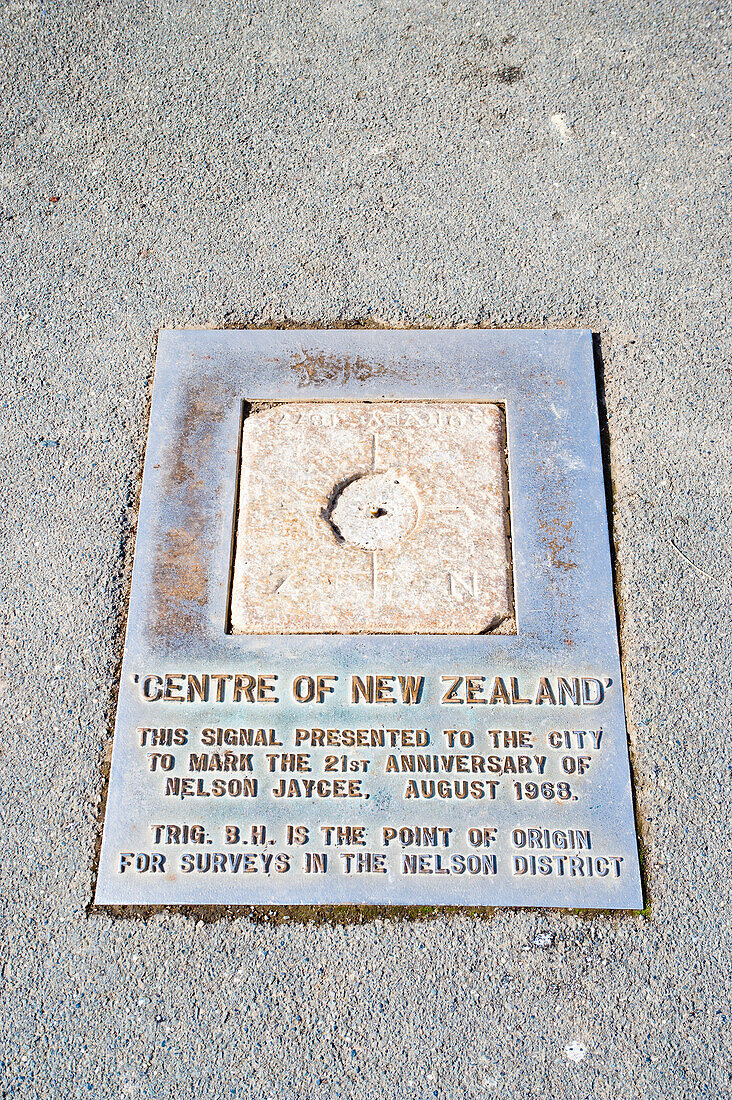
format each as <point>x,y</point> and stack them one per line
<point>560,544</point>
<point>557,538</point>
<point>315,368</point>
<point>180,573</point>
<point>556,528</point>
<point>182,566</point>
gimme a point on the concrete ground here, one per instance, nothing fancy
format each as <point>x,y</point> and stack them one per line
<point>174,163</point>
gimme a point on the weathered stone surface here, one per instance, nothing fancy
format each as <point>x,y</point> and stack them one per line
<point>372,517</point>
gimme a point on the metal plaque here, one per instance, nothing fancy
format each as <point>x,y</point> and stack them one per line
<point>371,652</point>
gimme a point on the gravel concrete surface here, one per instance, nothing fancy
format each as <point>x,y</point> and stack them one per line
<point>441,163</point>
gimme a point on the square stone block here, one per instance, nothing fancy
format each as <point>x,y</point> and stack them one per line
<point>385,517</point>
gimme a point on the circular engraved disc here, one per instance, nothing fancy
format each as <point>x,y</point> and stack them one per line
<point>375,512</point>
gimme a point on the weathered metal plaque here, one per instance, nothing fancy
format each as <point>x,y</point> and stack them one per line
<point>371,651</point>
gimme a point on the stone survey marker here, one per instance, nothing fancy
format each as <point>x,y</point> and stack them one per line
<point>371,652</point>
<point>383,518</point>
